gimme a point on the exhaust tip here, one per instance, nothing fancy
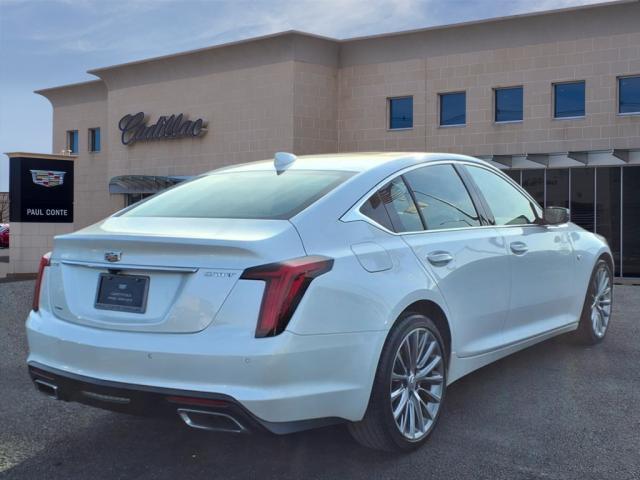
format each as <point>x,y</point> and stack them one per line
<point>212,421</point>
<point>47,388</point>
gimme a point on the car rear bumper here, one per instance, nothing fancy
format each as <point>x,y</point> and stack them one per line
<point>279,380</point>
<point>208,411</point>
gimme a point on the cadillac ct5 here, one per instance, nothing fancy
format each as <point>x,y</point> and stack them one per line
<point>298,292</point>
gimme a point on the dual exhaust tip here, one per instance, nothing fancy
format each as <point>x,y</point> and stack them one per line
<point>212,421</point>
<point>192,417</point>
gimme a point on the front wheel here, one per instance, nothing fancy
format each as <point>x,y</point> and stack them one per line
<point>408,389</point>
<point>596,312</point>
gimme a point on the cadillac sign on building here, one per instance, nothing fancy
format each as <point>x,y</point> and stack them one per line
<point>41,190</point>
<point>134,128</point>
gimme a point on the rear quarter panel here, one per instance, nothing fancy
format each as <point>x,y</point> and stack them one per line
<point>352,298</point>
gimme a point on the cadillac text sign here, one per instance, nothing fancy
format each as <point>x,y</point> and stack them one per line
<point>135,128</point>
<point>40,190</point>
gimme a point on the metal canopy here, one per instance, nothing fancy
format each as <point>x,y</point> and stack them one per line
<point>592,158</point>
<point>142,183</point>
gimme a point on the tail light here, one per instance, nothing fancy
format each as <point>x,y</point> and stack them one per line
<point>286,283</point>
<point>44,262</point>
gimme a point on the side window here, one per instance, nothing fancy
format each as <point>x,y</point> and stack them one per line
<point>508,205</point>
<point>442,198</point>
<point>393,208</point>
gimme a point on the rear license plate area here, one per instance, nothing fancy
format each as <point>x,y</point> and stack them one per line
<point>122,293</point>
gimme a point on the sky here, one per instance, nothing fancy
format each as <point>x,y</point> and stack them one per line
<point>45,43</point>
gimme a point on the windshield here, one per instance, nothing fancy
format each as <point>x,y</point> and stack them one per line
<point>251,195</point>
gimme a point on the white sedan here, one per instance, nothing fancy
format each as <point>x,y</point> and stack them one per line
<point>299,292</point>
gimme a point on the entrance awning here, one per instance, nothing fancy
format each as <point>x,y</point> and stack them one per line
<point>594,158</point>
<point>142,183</point>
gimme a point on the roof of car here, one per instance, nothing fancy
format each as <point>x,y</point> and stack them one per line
<point>353,162</point>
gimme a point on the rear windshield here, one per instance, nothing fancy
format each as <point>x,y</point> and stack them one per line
<point>256,195</point>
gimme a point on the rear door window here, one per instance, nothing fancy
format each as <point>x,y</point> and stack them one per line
<point>442,197</point>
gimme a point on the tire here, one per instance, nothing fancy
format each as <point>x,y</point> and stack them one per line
<point>379,429</point>
<point>595,320</point>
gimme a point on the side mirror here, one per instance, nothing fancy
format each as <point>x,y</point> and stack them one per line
<point>555,215</point>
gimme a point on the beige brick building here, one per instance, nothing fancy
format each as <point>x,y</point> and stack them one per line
<point>572,135</point>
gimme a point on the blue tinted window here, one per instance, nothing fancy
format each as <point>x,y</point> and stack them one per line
<point>401,112</point>
<point>569,100</point>
<point>629,94</point>
<point>94,139</point>
<point>72,141</point>
<point>453,108</point>
<point>508,104</point>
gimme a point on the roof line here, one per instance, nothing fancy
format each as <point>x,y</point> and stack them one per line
<point>96,71</point>
<point>44,91</point>
<point>481,21</point>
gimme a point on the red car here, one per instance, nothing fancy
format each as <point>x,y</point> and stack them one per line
<point>4,235</point>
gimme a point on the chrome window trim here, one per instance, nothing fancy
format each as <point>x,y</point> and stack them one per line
<point>354,213</point>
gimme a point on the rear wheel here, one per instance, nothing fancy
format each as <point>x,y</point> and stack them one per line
<point>596,312</point>
<point>408,389</point>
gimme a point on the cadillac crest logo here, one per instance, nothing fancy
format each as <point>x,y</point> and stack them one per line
<point>112,256</point>
<point>47,178</point>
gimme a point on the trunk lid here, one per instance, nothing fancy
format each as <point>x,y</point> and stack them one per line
<point>191,266</point>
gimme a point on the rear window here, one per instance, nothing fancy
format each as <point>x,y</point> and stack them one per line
<point>254,195</point>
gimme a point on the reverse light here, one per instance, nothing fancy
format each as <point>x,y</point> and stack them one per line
<point>286,283</point>
<point>45,261</point>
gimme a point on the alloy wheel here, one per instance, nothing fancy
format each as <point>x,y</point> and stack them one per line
<point>417,383</point>
<point>601,304</point>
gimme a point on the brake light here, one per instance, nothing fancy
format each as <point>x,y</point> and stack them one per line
<point>45,261</point>
<point>286,283</point>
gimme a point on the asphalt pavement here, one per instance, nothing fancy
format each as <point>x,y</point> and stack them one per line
<point>554,411</point>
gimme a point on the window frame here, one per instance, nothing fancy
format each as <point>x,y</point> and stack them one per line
<point>553,100</point>
<point>354,213</point>
<point>495,104</point>
<point>453,125</point>
<point>618,102</point>
<point>69,143</point>
<point>90,140</point>
<point>399,129</point>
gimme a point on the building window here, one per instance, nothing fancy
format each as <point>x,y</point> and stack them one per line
<point>400,113</point>
<point>509,105</point>
<point>94,139</point>
<point>629,94</point>
<point>72,141</point>
<point>568,100</point>
<point>453,109</point>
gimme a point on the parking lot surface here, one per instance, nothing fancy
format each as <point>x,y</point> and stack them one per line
<point>554,411</point>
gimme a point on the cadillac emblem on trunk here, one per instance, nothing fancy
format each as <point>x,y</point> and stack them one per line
<point>112,256</point>
<point>47,178</point>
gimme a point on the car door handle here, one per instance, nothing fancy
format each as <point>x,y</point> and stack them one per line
<point>439,258</point>
<point>519,248</point>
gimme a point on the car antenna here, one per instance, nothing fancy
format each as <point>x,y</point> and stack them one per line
<point>282,160</point>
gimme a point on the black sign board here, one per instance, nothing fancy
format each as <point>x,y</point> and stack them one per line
<point>40,190</point>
